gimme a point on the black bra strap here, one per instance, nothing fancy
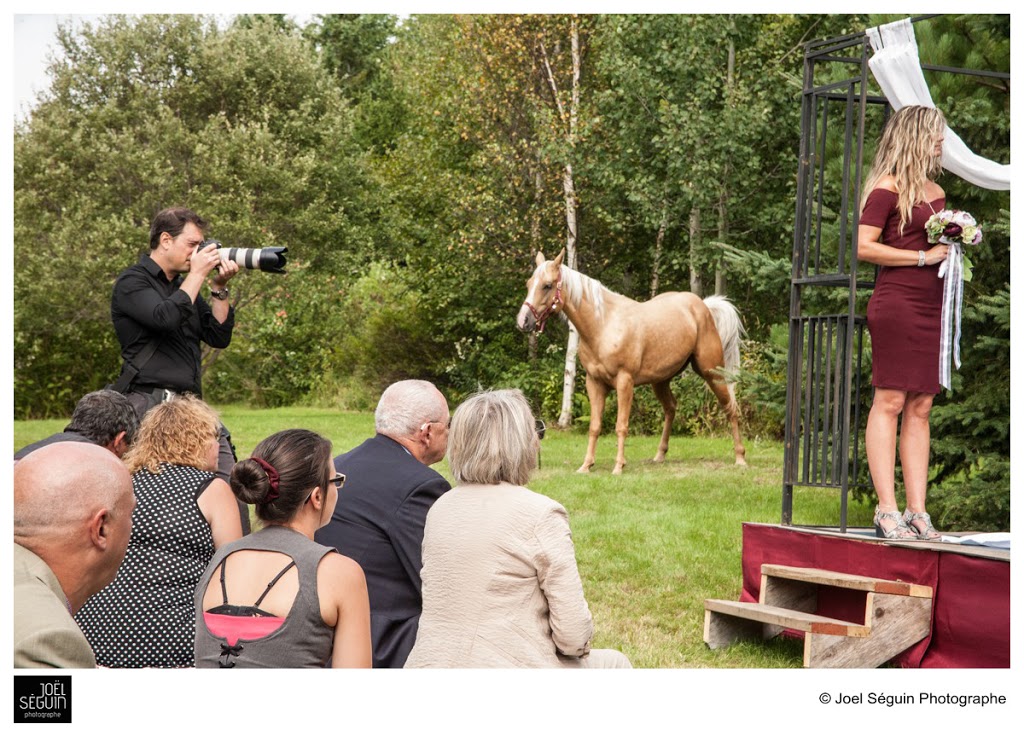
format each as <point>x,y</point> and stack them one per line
<point>223,587</point>
<point>269,585</point>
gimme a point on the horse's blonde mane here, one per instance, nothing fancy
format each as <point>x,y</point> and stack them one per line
<point>579,286</point>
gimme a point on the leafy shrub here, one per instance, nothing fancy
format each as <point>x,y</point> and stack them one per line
<point>386,333</point>
<point>282,343</point>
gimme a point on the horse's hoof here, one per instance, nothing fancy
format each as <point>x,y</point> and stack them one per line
<point>583,469</point>
<point>659,459</point>
<point>617,470</point>
<point>741,462</point>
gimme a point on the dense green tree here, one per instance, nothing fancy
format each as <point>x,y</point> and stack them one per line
<point>697,139</point>
<point>475,184</point>
<point>352,47</point>
<point>243,124</point>
<point>357,50</point>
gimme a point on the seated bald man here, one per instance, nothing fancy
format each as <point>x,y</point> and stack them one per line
<point>73,507</point>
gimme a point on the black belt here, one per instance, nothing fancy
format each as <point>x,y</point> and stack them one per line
<point>151,389</point>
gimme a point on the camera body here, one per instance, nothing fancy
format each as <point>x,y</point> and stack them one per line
<point>270,259</point>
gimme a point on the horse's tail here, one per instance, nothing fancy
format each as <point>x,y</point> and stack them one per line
<point>730,331</point>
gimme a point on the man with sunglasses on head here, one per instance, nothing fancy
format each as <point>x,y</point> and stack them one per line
<point>161,318</point>
<point>381,512</point>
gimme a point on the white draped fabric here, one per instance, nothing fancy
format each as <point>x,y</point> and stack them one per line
<point>897,68</point>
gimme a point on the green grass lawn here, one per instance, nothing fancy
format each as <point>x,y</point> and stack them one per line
<point>652,544</point>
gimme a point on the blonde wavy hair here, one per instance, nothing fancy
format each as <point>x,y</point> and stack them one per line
<point>175,432</point>
<point>907,152</point>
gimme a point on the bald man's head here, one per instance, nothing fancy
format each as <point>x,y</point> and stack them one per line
<point>59,487</point>
<point>73,507</point>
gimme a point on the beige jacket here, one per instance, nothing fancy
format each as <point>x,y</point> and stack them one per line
<point>45,634</point>
<point>500,583</point>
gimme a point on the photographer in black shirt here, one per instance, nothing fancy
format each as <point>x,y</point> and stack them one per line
<point>160,317</point>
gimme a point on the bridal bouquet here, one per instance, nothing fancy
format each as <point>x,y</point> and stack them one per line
<point>953,226</point>
<point>957,229</point>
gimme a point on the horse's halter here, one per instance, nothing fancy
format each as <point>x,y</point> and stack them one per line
<point>542,317</point>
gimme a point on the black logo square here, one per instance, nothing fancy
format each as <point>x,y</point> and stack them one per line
<point>42,698</point>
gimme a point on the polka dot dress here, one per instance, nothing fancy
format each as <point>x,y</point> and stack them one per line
<point>146,616</point>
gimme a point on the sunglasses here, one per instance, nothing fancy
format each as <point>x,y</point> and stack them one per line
<point>337,480</point>
<point>539,427</point>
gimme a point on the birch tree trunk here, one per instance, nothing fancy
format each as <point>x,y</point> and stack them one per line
<point>571,347</point>
<point>569,187</point>
<point>723,234</point>
<point>696,286</point>
<point>723,198</point>
<point>538,186</point>
<point>569,117</point>
<point>659,242</point>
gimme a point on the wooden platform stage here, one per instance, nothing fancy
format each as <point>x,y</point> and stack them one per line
<point>971,610</point>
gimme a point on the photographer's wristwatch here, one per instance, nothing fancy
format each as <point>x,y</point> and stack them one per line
<point>222,294</point>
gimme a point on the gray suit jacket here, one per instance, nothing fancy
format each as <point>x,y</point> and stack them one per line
<point>45,633</point>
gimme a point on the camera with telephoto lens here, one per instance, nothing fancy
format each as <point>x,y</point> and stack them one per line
<point>270,259</point>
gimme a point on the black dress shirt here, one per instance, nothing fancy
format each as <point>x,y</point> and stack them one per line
<point>146,306</point>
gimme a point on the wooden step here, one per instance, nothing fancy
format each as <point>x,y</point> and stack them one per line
<point>727,621</point>
<point>844,580</point>
<point>896,616</point>
<point>896,623</point>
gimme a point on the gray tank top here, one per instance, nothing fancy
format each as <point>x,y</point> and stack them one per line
<point>303,640</point>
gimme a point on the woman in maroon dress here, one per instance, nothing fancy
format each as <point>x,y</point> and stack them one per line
<point>904,313</point>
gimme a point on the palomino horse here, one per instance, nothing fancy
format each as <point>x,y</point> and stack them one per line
<point>624,343</point>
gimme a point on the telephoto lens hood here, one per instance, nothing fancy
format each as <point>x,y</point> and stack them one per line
<point>270,259</point>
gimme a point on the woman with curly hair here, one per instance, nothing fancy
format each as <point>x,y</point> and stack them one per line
<point>904,312</point>
<point>145,617</point>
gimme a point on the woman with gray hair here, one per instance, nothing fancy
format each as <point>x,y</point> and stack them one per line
<point>500,583</point>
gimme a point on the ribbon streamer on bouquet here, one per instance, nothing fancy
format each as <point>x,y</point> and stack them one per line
<point>952,270</point>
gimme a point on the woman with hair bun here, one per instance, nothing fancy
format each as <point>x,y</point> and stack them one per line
<point>904,313</point>
<point>500,583</point>
<point>276,598</point>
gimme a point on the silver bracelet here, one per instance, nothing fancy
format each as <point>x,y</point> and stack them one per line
<point>920,258</point>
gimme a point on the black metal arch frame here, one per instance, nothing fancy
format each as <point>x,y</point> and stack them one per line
<point>825,395</point>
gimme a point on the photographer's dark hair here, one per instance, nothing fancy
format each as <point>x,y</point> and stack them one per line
<point>101,415</point>
<point>172,220</point>
<point>296,458</point>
